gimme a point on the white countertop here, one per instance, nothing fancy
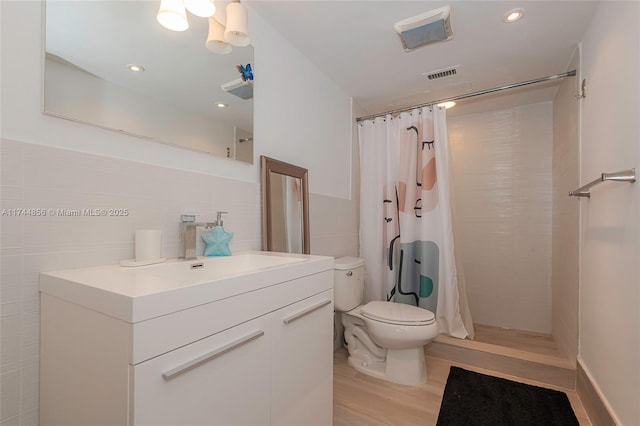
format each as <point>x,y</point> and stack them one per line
<point>135,294</point>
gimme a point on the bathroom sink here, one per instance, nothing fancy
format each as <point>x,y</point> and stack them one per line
<point>136,294</point>
<point>212,268</point>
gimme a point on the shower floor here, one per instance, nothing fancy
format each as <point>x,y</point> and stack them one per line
<point>529,341</point>
<point>515,352</point>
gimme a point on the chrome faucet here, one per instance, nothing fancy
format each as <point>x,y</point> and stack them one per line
<point>188,234</point>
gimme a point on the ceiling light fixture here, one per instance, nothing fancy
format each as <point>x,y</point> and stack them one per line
<point>513,15</point>
<point>201,8</point>
<point>228,26</point>
<point>236,31</point>
<point>135,68</point>
<point>215,40</point>
<point>172,15</point>
<point>447,105</point>
<point>221,105</point>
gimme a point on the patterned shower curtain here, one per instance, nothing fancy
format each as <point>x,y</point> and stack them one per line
<point>406,234</point>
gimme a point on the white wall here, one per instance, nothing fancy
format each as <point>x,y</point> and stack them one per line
<point>501,175</point>
<point>609,347</point>
<point>305,118</point>
<point>48,162</point>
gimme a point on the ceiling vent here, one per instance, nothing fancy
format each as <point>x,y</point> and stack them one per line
<point>426,28</point>
<point>240,88</point>
<point>447,72</point>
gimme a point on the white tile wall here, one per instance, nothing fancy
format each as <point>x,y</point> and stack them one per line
<point>334,226</point>
<point>35,176</point>
<point>501,166</point>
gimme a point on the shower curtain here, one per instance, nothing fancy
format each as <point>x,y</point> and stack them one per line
<point>406,235</point>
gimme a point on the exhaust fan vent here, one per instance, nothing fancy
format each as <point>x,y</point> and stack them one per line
<point>240,88</point>
<point>426,28</point>
<point>441,74</point>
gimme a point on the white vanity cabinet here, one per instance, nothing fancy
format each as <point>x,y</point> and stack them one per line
<point>230,385</point>
<point>300,392</point>
<point>262,355</point>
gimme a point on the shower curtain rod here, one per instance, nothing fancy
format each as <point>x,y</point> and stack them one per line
<point>470,95</point>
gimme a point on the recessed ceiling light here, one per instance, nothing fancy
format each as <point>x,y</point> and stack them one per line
<point>221,105</point>
<point>135,68</point>
<point>513,15</point>
<point>447,105</point>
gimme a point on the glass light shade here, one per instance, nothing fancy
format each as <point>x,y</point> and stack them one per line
<point>215,40</point>
<point>201,8</point>
<point>237,32</point>
<point>221,14</point>
<point>172,15</point>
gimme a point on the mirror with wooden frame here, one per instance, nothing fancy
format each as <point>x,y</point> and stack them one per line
<point>285,207</point>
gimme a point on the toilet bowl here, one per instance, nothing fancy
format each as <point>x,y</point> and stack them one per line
<point>385,339</point>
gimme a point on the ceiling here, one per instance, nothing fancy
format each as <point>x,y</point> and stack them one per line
<point>354,43</point>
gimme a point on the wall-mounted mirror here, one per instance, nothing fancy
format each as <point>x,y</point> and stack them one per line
<point>285,207</point>
<point>89,48</point>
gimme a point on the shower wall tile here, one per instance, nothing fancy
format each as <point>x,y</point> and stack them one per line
<point>566,215</point>
<point>13,421</point>
<point>11,165</point>
<point>41,177</point>
<point>502,187</point>
<point>242,202</point>
<point>10,339</point>
<point>334,226</point>
<point>10,395</point>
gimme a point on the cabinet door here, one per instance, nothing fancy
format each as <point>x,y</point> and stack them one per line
<point>302,376</point>
<point>220,380</point>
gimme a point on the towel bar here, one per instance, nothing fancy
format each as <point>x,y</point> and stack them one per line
<point>623,176</point>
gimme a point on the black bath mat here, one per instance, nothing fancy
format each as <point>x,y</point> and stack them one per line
<point>474,399</point>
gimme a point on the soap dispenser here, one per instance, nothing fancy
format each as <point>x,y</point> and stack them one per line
<point>217,239</point>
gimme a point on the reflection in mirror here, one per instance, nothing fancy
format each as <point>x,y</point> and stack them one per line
<point>285,218</point>
<point>285,207</point>
<point>89,48</point>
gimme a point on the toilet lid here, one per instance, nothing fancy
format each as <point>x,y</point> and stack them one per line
<point>397,313</point>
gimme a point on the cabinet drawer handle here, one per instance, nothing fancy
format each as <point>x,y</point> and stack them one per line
<point>306,311</point>
<point>170,374</point>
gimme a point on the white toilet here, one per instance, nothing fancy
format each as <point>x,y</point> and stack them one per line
<point>385,339</point>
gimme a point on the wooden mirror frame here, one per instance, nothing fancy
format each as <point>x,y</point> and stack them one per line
<point>268,165</point>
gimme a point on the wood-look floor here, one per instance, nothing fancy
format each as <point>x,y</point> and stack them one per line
<point>361,400</point>
<point>516,339</point>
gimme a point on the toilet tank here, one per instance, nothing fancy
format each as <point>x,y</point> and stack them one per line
<point>348,285</point>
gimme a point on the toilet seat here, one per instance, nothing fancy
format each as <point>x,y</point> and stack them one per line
<point>397,313</point>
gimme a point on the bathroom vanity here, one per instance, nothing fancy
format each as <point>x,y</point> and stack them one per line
<point>239,340</point>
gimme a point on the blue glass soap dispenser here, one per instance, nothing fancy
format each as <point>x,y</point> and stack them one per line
<point>217,239</point>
